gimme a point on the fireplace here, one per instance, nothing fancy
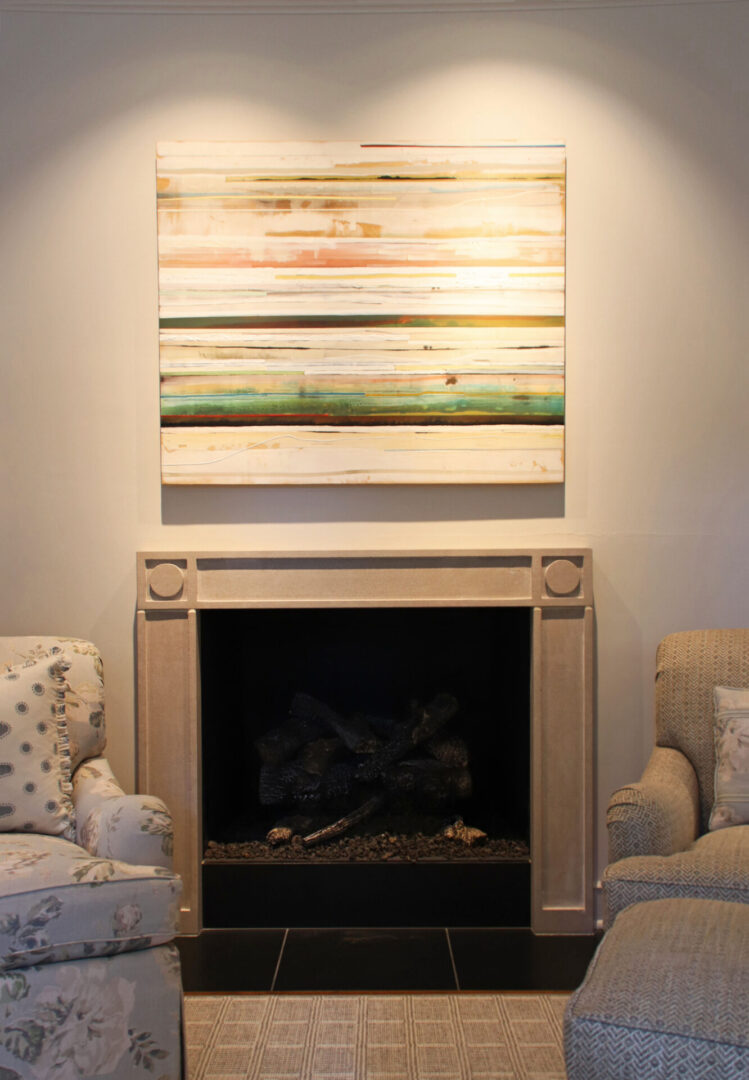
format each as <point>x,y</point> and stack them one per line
<point>398,738</point>
<point>385,739</point>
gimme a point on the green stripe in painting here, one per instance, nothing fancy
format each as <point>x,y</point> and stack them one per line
<point>215,407</point>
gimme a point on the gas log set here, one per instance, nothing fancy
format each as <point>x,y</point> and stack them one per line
<point>319,762</point>
<point>366,787</point>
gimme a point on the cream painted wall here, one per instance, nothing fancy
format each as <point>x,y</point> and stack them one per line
<point>652,103</point>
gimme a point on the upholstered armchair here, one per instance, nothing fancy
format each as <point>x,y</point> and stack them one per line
<point>89,975</point>
<point>660,840</point>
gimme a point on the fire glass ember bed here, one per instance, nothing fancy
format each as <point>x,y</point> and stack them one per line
<point>377,770</point>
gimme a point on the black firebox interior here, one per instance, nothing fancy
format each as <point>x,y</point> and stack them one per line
<point>372,661</point>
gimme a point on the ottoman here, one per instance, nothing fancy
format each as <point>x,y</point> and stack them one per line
<point>666,996</point>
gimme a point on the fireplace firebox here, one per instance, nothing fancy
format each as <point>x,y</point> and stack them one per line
<point>374,736</point>
<point>372,739</point>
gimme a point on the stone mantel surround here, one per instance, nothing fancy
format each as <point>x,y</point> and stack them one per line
<point>174,586</point>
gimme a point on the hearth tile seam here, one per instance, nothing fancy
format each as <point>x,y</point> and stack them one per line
<point>278,962</point>
<point>452,959</point>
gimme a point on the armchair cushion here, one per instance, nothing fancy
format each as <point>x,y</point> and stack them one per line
<point>84,689</point>
<point>35,782</point>
<point>58,902</point>
<point>714,867</point>
<point>112,825</point>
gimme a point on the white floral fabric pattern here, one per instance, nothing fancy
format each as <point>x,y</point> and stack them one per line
<point>35,782</point>
<point>90,1005</point>
<point>731,805</point>
<point>117,1017</point>
<point>89,984</point>
<point>113,825</point>
<point>59,903</point>
<point>84,687</point>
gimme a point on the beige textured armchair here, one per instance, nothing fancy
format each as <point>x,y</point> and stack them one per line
<point>659,845</point>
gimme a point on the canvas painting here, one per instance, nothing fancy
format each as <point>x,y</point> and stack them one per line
<point>352,313</point>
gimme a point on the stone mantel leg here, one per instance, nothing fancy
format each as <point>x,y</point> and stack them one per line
<point>562,771</point>
<point>169,739</point>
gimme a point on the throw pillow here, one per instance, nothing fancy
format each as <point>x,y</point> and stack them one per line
<point>731,806</point>
<point>35,788</point>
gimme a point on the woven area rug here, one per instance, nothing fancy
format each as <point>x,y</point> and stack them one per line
<point>375,1037</point>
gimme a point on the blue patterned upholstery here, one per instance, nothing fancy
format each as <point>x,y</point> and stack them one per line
<point>60,903</point>
<point>117,1017</point>
<point>89,980</point>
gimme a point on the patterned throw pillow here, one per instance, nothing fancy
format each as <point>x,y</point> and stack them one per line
<point>34,755</point>
<point>731,806</point>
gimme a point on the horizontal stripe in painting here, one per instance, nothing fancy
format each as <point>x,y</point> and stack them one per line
<point>347,409</point>
<point>385,455</point>
<point>296,322</point>
<point>361,289</point>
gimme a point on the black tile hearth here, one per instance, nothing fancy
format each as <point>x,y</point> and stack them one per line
<point>498,959</point>
<point>366,959</point>
<point>230,961</point>
<point>382,959</point>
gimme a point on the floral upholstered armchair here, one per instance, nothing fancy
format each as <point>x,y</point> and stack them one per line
<point>89,975</point>
<point>683,829</point>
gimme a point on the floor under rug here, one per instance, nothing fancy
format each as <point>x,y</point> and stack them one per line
<point>375,1036</point>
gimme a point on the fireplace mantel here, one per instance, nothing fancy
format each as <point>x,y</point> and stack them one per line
<point>556,583</point>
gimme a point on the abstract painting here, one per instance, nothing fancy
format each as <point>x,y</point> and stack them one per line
<point>336,313</point>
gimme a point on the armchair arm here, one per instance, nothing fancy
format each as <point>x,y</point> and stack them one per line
<point>135,829</point>
<point>660,814</point>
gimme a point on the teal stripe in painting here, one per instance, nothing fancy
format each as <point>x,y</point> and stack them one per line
<point>215,408</point>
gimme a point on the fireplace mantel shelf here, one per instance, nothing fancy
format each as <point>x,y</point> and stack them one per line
<point>545,577</point>
<point>554,583</point>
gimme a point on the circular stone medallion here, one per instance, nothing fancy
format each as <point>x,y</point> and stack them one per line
<point>166,581</point>
<point>562,577</point>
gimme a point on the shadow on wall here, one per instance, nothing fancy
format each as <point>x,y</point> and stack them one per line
<point>227,505</point>
<point>624,731</point>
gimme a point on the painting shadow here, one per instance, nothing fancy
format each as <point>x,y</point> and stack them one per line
<point>190,505</point>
